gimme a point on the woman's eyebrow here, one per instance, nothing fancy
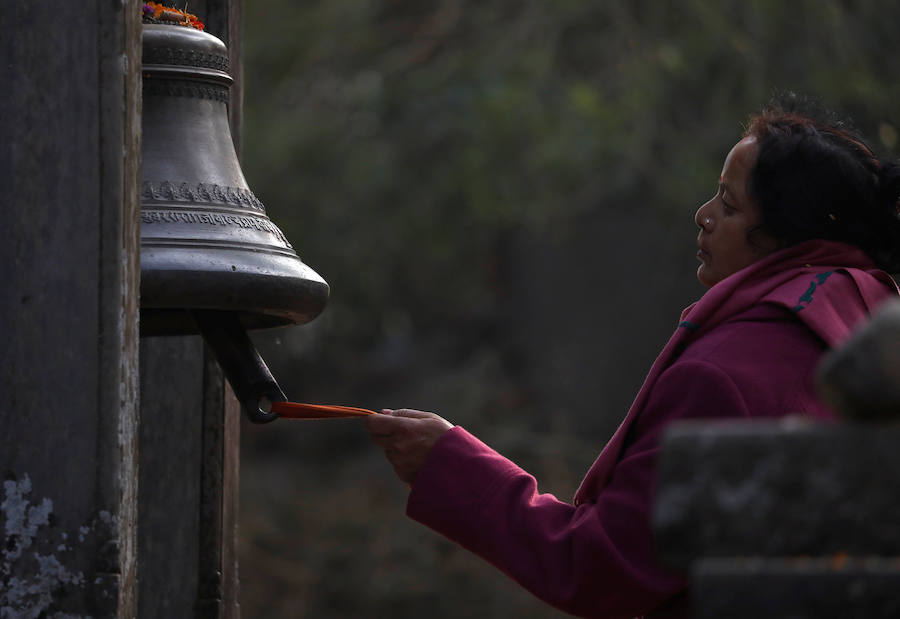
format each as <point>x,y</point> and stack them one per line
<point>726,188</point>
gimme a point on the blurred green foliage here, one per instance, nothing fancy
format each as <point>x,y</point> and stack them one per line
<point>398,142</point>
<point>424,156</point>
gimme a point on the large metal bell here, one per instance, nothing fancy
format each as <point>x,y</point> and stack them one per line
<point>212,262</point>
<point>206,242</point>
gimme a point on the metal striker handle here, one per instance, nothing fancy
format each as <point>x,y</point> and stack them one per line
<point>244,368</point>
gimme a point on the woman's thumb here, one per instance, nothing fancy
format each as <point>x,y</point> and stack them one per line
<point>408,412</point>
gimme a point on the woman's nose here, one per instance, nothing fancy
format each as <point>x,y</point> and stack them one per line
<point>701,218</point>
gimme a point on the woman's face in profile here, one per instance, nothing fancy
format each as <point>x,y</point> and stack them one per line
<point>726,221</point>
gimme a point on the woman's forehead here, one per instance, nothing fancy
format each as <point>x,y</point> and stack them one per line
<point>738,163</point>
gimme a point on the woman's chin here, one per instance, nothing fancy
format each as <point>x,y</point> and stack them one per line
<point>705,277</point>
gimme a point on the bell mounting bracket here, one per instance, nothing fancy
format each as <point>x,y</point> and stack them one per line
<point>250,378</point>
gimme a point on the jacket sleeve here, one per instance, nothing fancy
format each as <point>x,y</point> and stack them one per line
<point>594,560</point>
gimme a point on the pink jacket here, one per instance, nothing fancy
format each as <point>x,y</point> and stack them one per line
<point>748,348</point>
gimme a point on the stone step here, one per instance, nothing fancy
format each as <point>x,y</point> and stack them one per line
<point>838,587</point>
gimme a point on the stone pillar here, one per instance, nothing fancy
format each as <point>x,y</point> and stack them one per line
<point>69,176</point>
<point>189,438</point>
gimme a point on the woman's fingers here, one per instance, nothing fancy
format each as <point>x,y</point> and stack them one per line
<point>409,412</point>
<point>382,424</point>
<point>406,436</point>
<point>389,420</point>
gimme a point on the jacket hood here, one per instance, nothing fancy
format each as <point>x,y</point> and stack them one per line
<point>832,302</point>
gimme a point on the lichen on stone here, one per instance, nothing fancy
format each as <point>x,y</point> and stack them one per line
<point>29,580</point>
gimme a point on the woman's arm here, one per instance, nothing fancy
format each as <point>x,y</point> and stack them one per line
<point>596,559</point>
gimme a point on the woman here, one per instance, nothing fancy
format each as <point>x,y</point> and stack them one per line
<point>794,248</point>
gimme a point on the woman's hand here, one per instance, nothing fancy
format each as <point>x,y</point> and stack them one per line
<point>406,437</point>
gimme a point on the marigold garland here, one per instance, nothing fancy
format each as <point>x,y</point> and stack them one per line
<point>154,11</point>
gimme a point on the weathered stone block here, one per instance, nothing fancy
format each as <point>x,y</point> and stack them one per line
<point>836,587</point>
<point>861,379</point>
<point>786,488</point>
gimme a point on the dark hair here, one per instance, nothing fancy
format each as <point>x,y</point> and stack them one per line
<point>815,178</point>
